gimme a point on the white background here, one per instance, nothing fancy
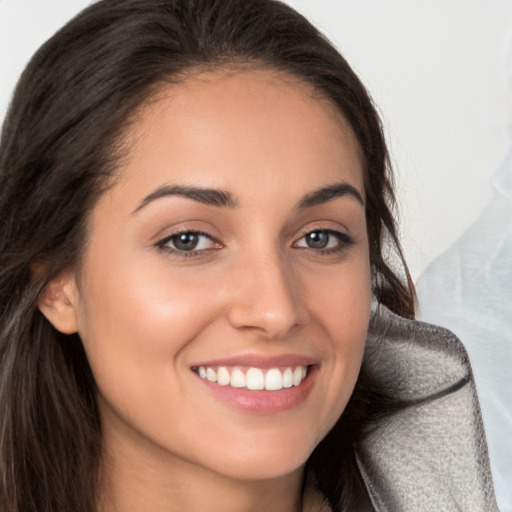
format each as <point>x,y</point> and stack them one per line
<point>440,72</point>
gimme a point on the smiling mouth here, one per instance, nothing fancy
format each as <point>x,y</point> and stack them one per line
<point>252,378</point>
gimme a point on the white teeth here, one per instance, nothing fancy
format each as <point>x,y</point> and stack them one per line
<point>238,379</point>
<point>272,379</point>
<point>297,376</point>
<point>287,378</point>
<point>211,375</point>
<point>255,379</point>
<point>223,377</point>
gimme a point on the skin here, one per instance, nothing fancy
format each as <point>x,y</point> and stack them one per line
<point>146,313</point>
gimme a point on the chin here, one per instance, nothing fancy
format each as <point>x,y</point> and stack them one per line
<point>264,467</point>
<point>265,458</point>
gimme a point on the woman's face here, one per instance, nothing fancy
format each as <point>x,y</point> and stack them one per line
<point>232,248</point>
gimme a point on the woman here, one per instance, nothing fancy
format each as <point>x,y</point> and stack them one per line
<point>196,207</point>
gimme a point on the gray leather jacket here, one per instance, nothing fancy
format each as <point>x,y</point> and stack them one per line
<point>431,456</point>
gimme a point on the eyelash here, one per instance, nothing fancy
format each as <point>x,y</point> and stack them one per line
<point>162,244</point>
<point>344,242</point>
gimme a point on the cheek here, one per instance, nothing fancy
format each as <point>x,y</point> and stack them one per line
<point>341,300</point>
<point>144,300</point>
<point>342,309</point>
<point>135,323</point>
<point>136,327</point>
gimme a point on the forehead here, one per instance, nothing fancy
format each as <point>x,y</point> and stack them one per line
<point>232,128</point>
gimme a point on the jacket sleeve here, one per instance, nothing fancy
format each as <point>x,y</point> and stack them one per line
<point>432,454</point>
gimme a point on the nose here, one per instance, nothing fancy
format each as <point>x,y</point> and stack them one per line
<point>266,298</point>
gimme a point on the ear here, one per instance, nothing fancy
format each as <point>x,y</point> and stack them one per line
<point>58,303</point>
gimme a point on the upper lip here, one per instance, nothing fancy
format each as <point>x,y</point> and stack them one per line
<point>260,361</point>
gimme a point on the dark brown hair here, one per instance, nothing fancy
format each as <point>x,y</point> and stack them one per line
<point>59,147</point>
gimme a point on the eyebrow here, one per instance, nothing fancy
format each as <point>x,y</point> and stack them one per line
<point>208,196</point>
<point>328,193</point>
<point>222,198</point>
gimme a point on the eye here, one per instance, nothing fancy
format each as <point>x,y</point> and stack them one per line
<point>326,240</point>
<point>187,241</point>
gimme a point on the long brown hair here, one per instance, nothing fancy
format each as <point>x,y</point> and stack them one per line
<point>59,149</point>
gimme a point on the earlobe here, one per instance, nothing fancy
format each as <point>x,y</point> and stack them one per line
<point>58,302</point>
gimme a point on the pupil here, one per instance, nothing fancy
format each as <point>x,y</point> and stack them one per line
<point>318,240</point>
<point>185,241</point>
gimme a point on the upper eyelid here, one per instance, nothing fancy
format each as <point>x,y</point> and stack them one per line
<point>334,231</point>
<point>161,242</point>
<point>344,239</point>
<point>185,231</point>
<point>168,233</point>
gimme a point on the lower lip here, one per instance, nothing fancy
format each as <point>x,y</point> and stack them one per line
<point>264,402</point>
